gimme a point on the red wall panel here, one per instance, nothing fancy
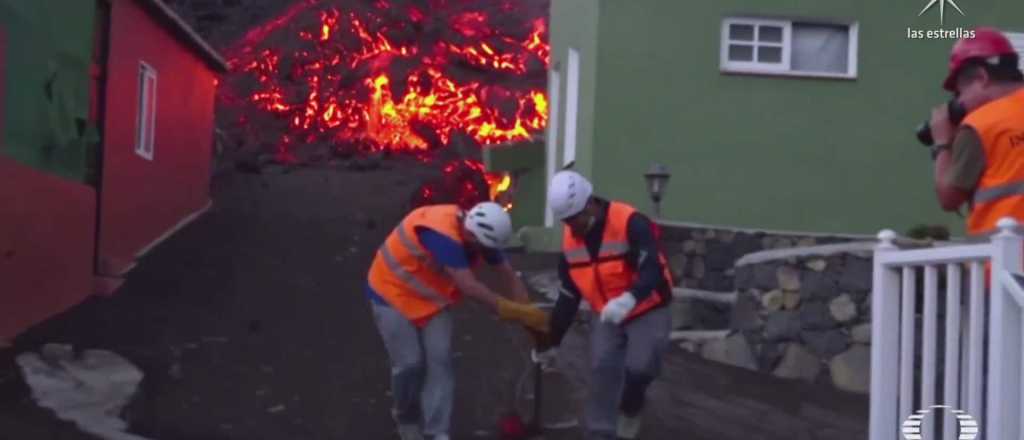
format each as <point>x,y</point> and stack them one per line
<point>141,199</point>
<point>47,239</point>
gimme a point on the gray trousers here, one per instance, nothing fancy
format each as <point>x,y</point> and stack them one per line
<point>422,375</point>
<point>624,360</point>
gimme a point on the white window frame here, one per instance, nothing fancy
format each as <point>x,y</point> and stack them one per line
<point>554,112</point>
<point>572,106</point>
<point>145,128</point>
<point>785,67</point>
<point>1017,39</point>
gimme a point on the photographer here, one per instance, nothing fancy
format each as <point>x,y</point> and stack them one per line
<point>978,138</point>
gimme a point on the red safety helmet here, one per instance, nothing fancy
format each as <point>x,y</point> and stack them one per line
<point>987,43</point>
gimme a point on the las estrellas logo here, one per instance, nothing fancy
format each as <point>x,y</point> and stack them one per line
<point>940,32</point>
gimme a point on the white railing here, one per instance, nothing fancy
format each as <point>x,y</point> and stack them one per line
<point>902,396</point>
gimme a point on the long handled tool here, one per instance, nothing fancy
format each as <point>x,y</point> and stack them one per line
<point>512,426</point>
<point>536,424</point>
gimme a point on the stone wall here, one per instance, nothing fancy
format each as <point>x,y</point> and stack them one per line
<point>790,306</point>
<point>705,259</point>
<point>802,314</point>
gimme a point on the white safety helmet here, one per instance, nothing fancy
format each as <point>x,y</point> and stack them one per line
<point>568,194</point>
<point>490,224</point>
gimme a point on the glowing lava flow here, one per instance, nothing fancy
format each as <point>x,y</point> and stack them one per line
<point>340,85</point>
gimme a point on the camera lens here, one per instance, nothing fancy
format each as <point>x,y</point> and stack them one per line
<point>924,134</point>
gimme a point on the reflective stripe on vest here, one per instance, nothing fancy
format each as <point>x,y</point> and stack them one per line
<point>998,192</point>
<point>612,249</point>
<point>392,264</point>
<point>577,255</point>
<point>403,237</point>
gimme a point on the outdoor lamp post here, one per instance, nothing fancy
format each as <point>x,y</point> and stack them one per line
<point>657,178</point>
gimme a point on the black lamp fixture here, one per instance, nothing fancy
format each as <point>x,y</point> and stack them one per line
<point>657,177</point>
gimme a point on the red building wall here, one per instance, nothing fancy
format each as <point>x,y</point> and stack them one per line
<point>46,245</point>
<point>140,200</point>
<point>47,238</point>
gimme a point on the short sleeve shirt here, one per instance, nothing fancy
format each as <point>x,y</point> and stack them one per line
<point>967,160</point>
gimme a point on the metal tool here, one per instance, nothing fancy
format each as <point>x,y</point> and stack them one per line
<point>513,427</point>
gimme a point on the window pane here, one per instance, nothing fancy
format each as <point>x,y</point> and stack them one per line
<point>769,54</point>
<point>821,48</point>
<point>741,32</point>
<point>150,113</point>
<point>140,119</point>
<point>740,52</point>
<point>769,34</point>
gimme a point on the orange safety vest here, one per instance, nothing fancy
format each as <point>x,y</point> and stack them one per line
<point>608,276</point>
<point>1000,191</point>
<point>404,273</point>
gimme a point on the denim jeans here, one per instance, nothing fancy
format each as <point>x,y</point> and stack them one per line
<point>624,360</point>
<point>422,376</point>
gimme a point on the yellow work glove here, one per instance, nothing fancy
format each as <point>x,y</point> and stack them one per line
<point>526,314</point>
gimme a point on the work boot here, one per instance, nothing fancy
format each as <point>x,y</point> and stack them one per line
<point>628,427</point>
<point>409,432</point>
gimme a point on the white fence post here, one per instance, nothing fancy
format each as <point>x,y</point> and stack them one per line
<point>976,341</point>
<point>952,382</point>
<point>988,383</point>
<point>929,338</point>
<point>885,349</point>
<point>907,326</point>
<point>1002,420</point>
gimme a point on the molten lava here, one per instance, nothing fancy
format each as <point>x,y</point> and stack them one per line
<point>500,189</point>
<point>465,183</point>
<point>358,79</point>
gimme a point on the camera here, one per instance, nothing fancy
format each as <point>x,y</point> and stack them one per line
<point>957,113</point>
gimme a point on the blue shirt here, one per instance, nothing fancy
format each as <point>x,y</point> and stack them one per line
<point>446,252</point>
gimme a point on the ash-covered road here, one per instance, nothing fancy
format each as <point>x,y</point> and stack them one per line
<point>251,323</point>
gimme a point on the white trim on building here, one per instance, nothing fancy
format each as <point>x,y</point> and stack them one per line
<point>572,105</point>
<point>554,107</point>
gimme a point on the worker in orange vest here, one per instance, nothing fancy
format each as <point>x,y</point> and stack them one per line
<point>422,269</point>
<point>981,161</point>
<point>611,259</point>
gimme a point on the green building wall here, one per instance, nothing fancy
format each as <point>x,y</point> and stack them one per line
<point>583,34</point>
<point>577,28</point>
<point>766,152</point>
<point>46,99</point>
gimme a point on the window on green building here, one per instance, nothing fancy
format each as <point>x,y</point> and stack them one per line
<point>784,47</point>
<point>145,127</point>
